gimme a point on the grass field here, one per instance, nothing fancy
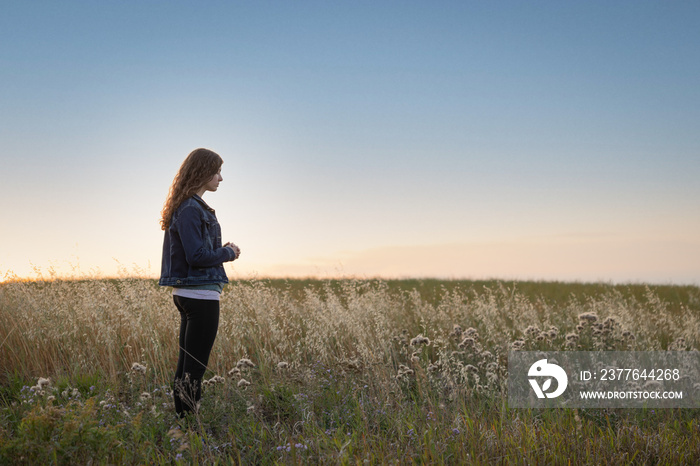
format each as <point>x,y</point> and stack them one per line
<point>332,372</point>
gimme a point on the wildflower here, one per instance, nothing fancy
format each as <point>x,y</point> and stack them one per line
<point>532,331</point>
<point>472,332</point>
<point>244,363</point>
<point>216,379</point>
<point>42,382</point>
<point>138,368</point>
<point>455,431</point>
<point>609,322</point>
<point>468,342</point>
<point>420,340</point>
<point>404,371</point>
<point>243,383</point>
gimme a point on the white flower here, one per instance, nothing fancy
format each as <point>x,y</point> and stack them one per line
<point>420,340</point>
<point>243,383</point>
<point>243,363</point>
<point>140,368</point>
<point>42,382</point>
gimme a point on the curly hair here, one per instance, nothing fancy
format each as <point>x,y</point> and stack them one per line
<point>197,169</point>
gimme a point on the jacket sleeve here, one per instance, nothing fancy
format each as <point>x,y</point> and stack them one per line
<point>189,227</point>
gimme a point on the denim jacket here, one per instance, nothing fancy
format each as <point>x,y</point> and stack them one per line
<point>192,250</point>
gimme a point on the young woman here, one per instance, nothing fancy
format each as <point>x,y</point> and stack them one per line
<point>193,258</point>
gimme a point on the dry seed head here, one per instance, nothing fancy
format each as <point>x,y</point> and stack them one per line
<point>216,379</point>
<point>176,433</point>
<point>282,365</point>
<point>420,340</point>
<point>472,332</point>
<point>243,383</point>
<point>234,372</point>
<point>43,382</point>
<point>245,363</point>
<point>404,370</point>
<point>467,343</point>
<point>138,368</point>
<point>609,322</point>
<point>145,396</point>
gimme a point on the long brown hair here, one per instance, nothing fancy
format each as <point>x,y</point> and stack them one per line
<point>197,169</point>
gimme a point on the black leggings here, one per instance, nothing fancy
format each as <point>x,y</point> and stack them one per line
<point>199,322</point>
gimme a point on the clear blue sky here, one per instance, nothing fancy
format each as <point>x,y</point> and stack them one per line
<point>541,140</point>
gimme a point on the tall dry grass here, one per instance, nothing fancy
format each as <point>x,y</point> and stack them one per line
<point>326,372</point>
<point>103,326</point>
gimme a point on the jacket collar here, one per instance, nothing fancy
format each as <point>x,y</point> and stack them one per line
<point>204,204</point>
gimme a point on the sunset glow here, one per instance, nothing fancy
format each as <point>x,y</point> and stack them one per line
<point>514,140</point>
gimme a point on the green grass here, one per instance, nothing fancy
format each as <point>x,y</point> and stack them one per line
<point>341,398</point>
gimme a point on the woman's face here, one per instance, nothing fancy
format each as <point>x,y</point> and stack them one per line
<point>213,184</point>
